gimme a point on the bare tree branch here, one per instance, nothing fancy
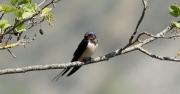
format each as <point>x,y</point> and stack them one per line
<point>28,22</point>
<point>42,2</point>
<point>2,15</point>
<point>168,37</point>
<point>11,28</point>
<point>97,59</point>
<point>128,48</point>
<point>157,56</point>
<point>21,42</point>
<point>11,53</point>
<point>6,41</point>
<point>140,20</point>
<point>131,42</point>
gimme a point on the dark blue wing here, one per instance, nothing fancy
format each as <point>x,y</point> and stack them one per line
<point>79,51</point>
<point>77,54</point>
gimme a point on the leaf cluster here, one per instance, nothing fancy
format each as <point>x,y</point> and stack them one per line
<point>174,10</point>
<point>22,10</point>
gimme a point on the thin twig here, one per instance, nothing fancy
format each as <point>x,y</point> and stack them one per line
<point>6,41</point>
<point>157,56</point>
<point>9,29</point>
<point>2,15</point>
<point>21,42</point>
<point>11,53</point>
<point>9,38</point>
<point>48,4</point>
<point>169,37</point>
<point>128,48</point>
<point>131,42</point>
<point>42,2</point>
<point>177,54</point>
<point>95,60</point>
<point>140,20</point>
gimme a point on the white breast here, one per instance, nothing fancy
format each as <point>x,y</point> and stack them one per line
<point>91,47</point>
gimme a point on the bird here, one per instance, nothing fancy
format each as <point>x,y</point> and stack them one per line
<point>84,51</point>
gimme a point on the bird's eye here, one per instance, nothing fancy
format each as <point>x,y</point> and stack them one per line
<point>90,35</point>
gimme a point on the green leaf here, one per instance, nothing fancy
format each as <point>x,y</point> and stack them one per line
<point>174,10</point>
<point>6,26</point>
<point>177,24</point>
<point>49,17</point>
<point>2,23</point>
<point>45,11</point>
<point>35,7</point>
<point>24,2</point>
<point>18,13</point>
<point>6,8</point>
<point>1,31</point>
<point>13,10</point>
<point>20,28</point>
<point>29,8</point>
<point>27,15</point>
<point>1,26</point>
<point>30,1</point>
<point>1,9</point>
<point>13,2</point>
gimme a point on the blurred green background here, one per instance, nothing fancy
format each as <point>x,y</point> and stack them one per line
<point>113,22</point>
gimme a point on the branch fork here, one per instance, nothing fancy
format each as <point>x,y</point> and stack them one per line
<point>127,48</point>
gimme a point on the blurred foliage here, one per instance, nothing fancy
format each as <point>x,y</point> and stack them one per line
<point>23,9</point>
<point>174,10</point>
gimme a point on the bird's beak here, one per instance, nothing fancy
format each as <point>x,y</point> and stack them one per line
<point>88,37</point>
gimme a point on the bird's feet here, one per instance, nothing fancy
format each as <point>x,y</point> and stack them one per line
<point>86,61</point>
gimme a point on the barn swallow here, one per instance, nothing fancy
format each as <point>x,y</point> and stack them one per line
<point>83,52</point>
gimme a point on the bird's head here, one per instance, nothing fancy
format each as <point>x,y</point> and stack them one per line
<point>90,35</point>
